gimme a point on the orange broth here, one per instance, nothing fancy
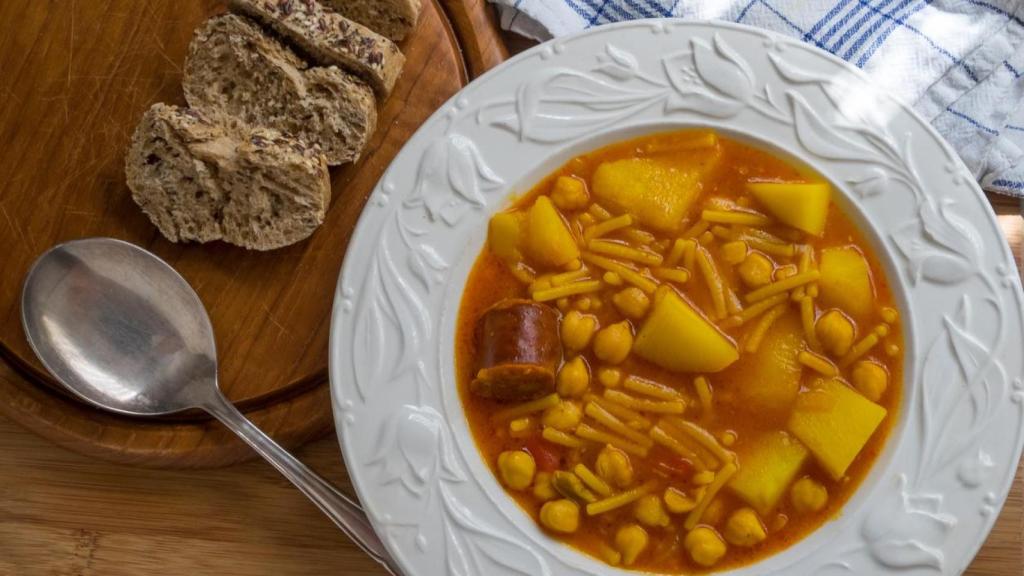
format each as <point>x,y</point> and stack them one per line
<point>492,280</point>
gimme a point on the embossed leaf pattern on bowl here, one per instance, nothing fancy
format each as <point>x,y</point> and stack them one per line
<point>414,450</point>
<point>395,324</point>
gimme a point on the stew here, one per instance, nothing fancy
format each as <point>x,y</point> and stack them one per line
<point>678,354</point>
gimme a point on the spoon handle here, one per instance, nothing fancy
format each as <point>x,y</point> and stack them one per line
<point>345,513</point>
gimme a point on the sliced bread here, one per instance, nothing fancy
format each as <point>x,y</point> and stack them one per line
<point>198,179</point>
<point>392,18</point>
<point>234,69</point>
<point>330,38</point>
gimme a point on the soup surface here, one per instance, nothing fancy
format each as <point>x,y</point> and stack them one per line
<point>677,353</point>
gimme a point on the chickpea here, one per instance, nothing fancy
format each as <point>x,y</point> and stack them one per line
<point>835,331</point>
<point>734,252</point>
<point>609,377</point>
<point>714,512</point>
<point>516,469</point>
<point>632,302</point>
<point>565,415</point>
<point>631,540</point>
<point>808,495</point>
<point>870,379</point>
<point>705,546</point>
<point>744,528</point>
<point>890,315</point>
<point>756,270</point>
<point>612,279</point>
<point>542,488</point>
<point>609,554</point>
<point>560,516</point>
<point>677,501</point>
<point>573,378</point>
<point>569,193</point>
<point>520,427</point>
<point>649,511</point>
<point>612,344</point>
<point>614,467</point>
<point>577,330</point>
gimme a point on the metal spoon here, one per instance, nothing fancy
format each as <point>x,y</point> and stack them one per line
<point>119,328</point>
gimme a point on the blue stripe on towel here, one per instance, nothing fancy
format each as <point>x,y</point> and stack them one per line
<point>1008,184</point>
<point>836,8</point>
<point>854,28</point>
<point>881,38</point>
<point>972,122</point>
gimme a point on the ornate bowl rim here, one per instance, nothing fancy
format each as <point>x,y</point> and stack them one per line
<point>934,493</point>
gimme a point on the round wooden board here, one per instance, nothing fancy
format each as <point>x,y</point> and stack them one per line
<point>77,77</point>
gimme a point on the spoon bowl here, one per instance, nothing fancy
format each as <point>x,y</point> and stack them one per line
<point>120,329</point>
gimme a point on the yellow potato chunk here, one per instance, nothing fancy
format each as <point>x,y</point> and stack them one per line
<point>772,371</point>
<point>845,281</point>
<point>516,469</point>
<point>802,205</point>
<point>657,194</point>
<point>569,193</point>
<point>834,422</point>
<point>612,344</point>
<point>631,540</point>
<point>547,240</point>
<point>504,233</point>
<point>705,546</point>
<point>677,337</point>
<point>744,528</point>
<point>560,516</point>
<point>767,466</point>
<point>870,379</point>
<point>808,496</point>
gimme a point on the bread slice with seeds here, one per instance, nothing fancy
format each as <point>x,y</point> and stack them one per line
<point>201,180</point>
<point>236,70</point>
<point>391,18</point>
<point>330,39</point>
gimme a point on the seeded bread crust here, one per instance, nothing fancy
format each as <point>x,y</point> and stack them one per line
<point>236,70</point>
<point>201,180</point>
<point>392,18</point>
<point>330,39</point>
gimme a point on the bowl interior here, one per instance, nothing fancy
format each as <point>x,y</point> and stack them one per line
<point>530,176</point>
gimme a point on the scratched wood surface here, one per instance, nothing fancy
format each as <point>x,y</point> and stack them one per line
<point>75,77</point>
<point>62,513</point>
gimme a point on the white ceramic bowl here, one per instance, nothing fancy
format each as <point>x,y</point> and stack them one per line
<point>931,497</point>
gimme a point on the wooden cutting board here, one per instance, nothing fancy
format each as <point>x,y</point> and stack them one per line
<point>75,77</point>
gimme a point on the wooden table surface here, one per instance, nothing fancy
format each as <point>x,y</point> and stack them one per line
<point>62,514</point>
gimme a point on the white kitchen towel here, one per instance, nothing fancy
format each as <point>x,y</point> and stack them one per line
<point>960,63</point>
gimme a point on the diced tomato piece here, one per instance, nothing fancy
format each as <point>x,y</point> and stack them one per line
<point>670,464</point>
<point>547,455</point>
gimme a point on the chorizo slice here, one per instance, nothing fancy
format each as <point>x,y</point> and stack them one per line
<point>518,351</point>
